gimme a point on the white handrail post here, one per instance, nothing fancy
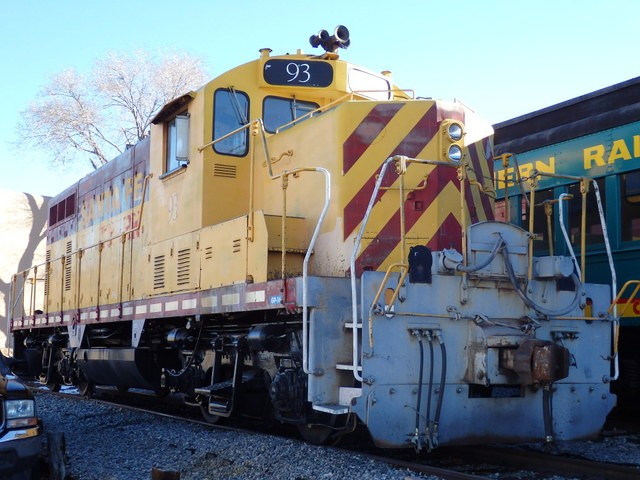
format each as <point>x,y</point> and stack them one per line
<point>354,253</point>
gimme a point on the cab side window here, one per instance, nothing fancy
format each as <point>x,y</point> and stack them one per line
<point>230,112</point>
<point>177,147</point>
<point>281,111</point>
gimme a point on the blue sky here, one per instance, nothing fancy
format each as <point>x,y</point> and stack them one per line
<point>502,58</point>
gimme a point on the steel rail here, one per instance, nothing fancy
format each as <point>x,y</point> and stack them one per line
<point>497,458</point>
<point>551,464</point>
<point>397,463</point>
<point>427,469</point>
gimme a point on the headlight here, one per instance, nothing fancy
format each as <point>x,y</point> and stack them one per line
<point>455,153</point>
<point>20,408</point>
<point>20,413</point>
<point>455,131</point>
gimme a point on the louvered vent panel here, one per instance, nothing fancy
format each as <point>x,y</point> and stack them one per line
<point>237,245</point>
<point>224,171</point>
<point>184,266</point>
<point>208,253</point>
<point>158,272</point>
<point>67,267</point>
<point>46,274</point>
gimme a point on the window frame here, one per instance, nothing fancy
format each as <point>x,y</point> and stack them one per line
<point>625,204</point>
<point>290,100</point>
<point>365,83</point>
<point>62,210</point>
<point>174,137</point>
<point>574,214</point>
<point>216,146</point>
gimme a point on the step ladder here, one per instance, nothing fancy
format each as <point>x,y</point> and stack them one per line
<point>221,395</point>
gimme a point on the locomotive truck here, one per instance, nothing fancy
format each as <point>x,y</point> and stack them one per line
<point>301,239</point>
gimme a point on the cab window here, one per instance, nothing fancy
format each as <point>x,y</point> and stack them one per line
<point>369,85</point>
<point>177,152</point>
<point>230,112</point>
<point>281,111</point>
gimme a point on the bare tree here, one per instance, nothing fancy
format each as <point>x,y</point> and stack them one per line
<point>28,212</point>
<point>97,115</point>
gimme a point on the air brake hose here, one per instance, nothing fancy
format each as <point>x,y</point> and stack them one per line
<point>417,432</point>
<point>173,373</point>
<point>474,268</point>
<point>530,303</point>
<point>430,338</point>
<point>547,412</point>
<point>443,377</point>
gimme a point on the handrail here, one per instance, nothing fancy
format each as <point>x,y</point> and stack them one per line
<point>584,182</point>
<point>565,234</point>
<point>605,234</point>
<point>305,263</point>
<point>403,161</point>
<point>615,325</point>
<point>612,307</point>
<point>224,137</point>
<point>346,97</point>
<point>354,253</point>
<point>404,270</point>
<point>80,251</point>
<point>315,111</point>
<point>616,322</point>
<point>258,128</point>
<point>580,268</point>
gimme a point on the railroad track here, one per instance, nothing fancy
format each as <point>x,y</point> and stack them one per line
<point>501,462</point>
<point>416,467</point>
<point>549,464</point>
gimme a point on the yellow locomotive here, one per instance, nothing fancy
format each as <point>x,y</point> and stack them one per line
<point>288,242</point>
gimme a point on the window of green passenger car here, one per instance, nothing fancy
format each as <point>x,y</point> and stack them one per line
<point>630,206</point>
<point>594,233</point>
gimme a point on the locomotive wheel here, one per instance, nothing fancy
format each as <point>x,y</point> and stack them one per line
<point>162,392</point>
<point>52,378</point>
<point>314,434</point>
<point>85,387</point>
<point>54,385</point>
<point>209,417</point>
<point>321,431</point>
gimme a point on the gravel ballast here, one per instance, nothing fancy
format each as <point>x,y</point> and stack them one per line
<point>106,442</point>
